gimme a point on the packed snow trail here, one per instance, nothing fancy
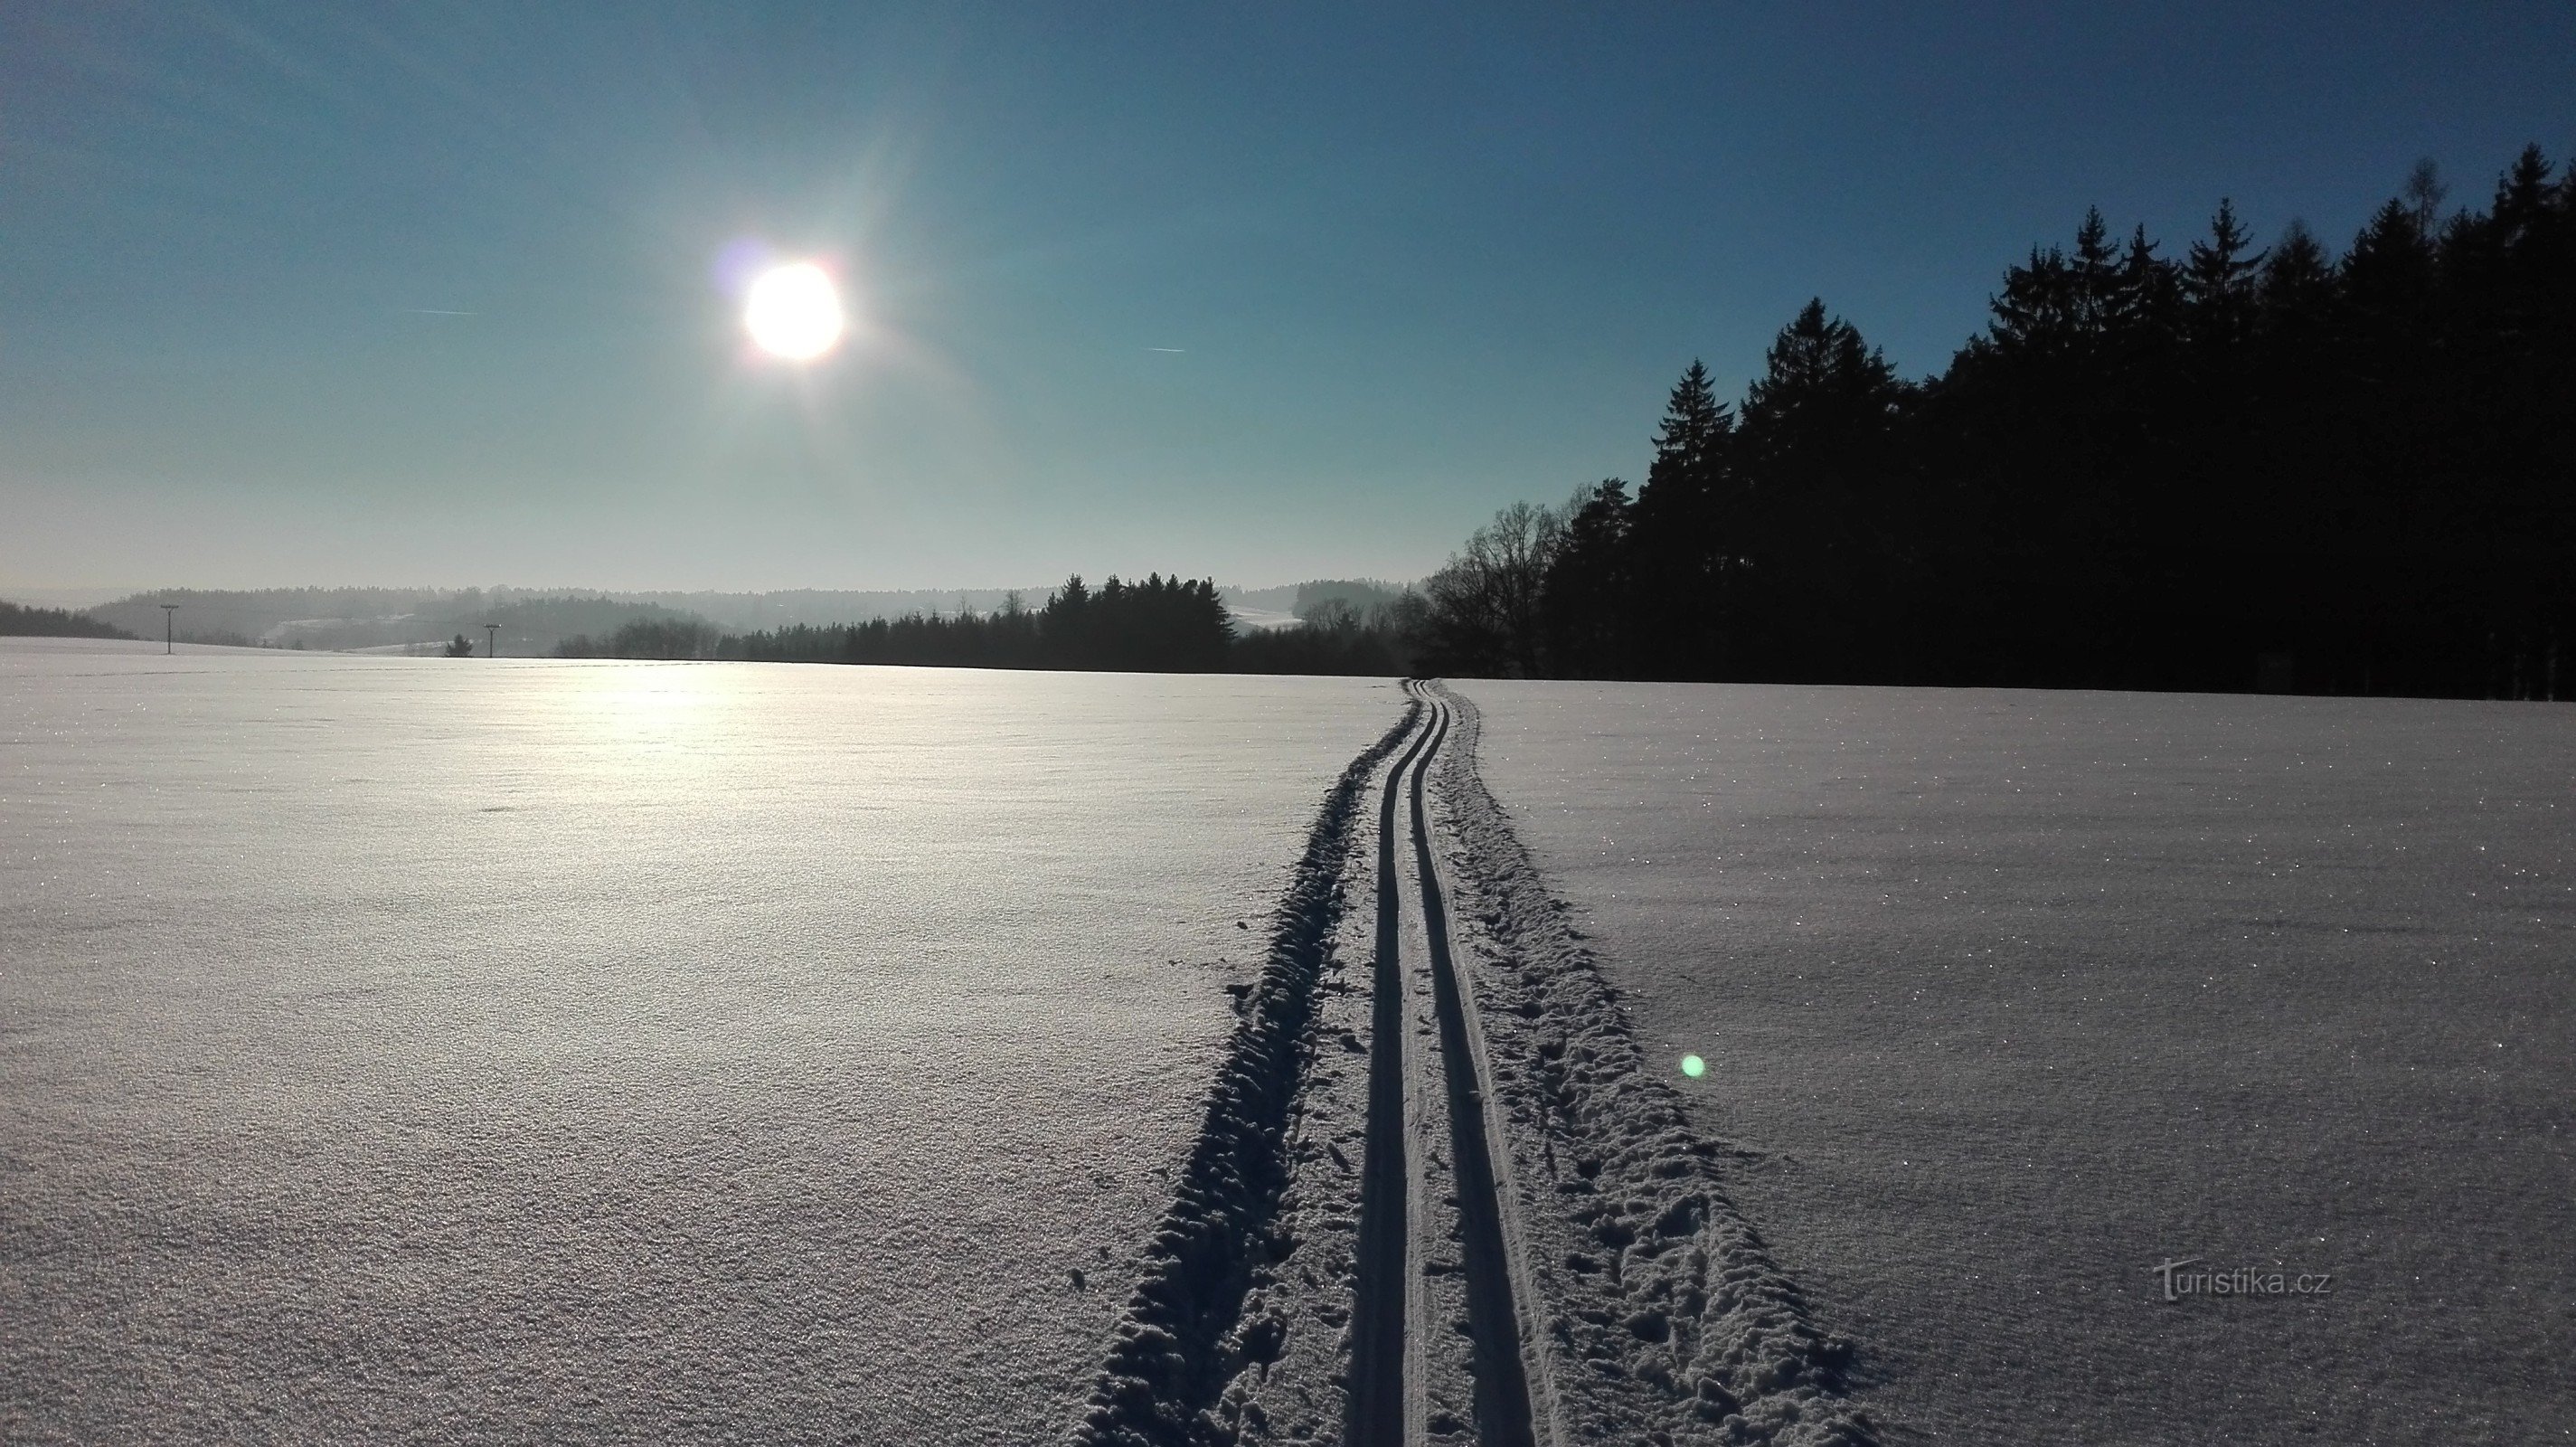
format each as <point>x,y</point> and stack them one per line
<point>1494,1325</point>
<point>1379,1400</point>
<point>1533,1245</point>
<point>1399,1233</point>
<point>1183,1336</point>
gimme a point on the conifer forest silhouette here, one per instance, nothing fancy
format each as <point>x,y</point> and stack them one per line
<point>2226,466</point>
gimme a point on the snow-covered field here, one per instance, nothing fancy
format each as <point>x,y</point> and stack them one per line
<point>2011,997</point>
<point>438,1050</point>
<point>467,1050</point>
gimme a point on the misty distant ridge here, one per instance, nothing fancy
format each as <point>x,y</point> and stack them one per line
<point>531,619</point>
<point>536,620</point>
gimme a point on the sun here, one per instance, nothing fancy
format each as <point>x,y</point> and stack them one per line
<point>794,312</point>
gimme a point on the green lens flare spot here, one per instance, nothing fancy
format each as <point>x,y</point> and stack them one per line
<point>1694,1067</point>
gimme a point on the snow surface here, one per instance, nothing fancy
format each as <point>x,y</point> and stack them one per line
<point>1660,1313</point>
<point>465,1050</point>
<point>2010,996</point>
<point>1441,1195</point>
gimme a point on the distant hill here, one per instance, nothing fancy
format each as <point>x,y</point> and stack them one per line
<point>17,620</point>
<point>542,625</point>
<point>1261,600</point>
<point>822,607</point>
<point>1358,594</point>
<point>532,620</point>
<point>381,619</point>
<point>537,620</point>
<point>283,617</point>
<point>1288,605</point>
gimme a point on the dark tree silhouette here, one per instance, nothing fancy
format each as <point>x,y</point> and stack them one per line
<point>2249,467</point>
<point>2218,283</point>
<point>1590,592</point>
<point>20,620</point>
<point>1687,536</point>
<point>2252,467</point>
<point>1162,625</point>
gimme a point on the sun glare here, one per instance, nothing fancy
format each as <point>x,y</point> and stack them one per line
<point>794,312</point>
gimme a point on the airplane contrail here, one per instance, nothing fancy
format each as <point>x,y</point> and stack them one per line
<point>431,311</point>
<point>1178,350</point>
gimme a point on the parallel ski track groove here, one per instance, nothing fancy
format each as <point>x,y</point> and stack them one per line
<point>1385,1266</point>
<point>1174,1349</point>
<point>1735,1356</point>
<point>1503,1416</point>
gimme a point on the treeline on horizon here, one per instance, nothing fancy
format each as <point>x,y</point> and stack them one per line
<point>1160,625</point>
<point>2234,468</point>
<point>2227,468</point>
<point>26,620</point>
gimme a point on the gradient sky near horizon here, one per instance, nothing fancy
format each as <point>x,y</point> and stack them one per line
<point>344,294</point>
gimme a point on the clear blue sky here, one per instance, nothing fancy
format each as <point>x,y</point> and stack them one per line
<point>1414,262</point>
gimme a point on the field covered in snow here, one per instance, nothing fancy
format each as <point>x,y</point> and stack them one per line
<point>464,1050</point>
<point>2007,998</point>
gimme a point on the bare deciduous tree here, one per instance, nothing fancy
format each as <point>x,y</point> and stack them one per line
<point>1484,603</point>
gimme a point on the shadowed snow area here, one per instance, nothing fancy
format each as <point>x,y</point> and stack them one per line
<point>468,1050</point>
<point>2013,996</point>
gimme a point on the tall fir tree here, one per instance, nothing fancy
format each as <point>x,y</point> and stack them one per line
<point>2218,283</point>
<point>1688,519</point>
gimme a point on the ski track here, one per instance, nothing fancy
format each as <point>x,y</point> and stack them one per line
<point>1401,1384</point>
<point>1671,1320</point>
<point>1378,1335</point>
<point>1502,1395</point>
<point>1185,1334</point>
<point>1535,1247</point>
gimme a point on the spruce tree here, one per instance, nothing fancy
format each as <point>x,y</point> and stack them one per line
<point>1696,425</point>
<point>2297,284</point>
<point>2096,277</point>
<point>1683,533</point>
<point>2036,310</point>
<point>2218,282</point>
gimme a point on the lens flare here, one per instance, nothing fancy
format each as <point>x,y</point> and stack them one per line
<point>1694,1067</point>
<point>794,312</point>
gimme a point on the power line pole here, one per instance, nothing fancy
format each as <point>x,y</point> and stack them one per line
<point>169,627</point>
<point>491,640</point>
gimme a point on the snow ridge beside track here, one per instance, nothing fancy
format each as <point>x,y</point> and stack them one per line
<point>1669,1317</point>
<point>1184,1335</point>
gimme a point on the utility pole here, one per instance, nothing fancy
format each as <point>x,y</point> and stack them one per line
<point>491,640</point>
<point>169,627</point>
